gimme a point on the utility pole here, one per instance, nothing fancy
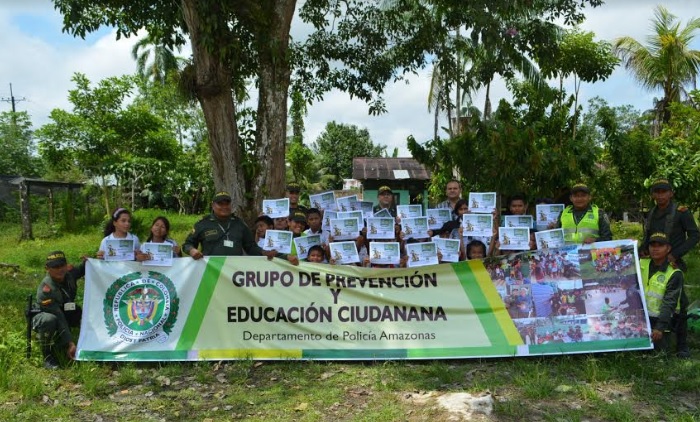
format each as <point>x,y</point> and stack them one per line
<point>12,100</point>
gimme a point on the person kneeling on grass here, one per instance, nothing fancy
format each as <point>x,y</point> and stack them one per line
<point>56,299</point>
<point>663,290</point>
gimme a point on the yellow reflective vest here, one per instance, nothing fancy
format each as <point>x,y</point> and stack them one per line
<point>655,287</point>
<point>587,227</point>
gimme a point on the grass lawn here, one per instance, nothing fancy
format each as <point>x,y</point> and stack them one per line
<point>633,386</point>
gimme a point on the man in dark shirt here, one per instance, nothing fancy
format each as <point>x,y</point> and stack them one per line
<point>223,234</point>
<point>675,221</point>
<point>678,224</point>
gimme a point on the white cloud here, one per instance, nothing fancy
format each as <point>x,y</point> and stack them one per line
<point>41,62</point>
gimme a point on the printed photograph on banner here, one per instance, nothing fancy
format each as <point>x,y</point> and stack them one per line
<point>420,254</point>
<point>276,208</point>
<point>518,221</point>
<point>448,249</point>
<point>159,254</point>
<point>514,238</point>
<point>278,240</point>
<point>414,228</point>
<point>353,214</point>
<point>547,214</point>
<point>119,250</point>
<point>347,203</point>
<point>482,202</point>
<point>383,213</point>
<point>616,328</point>
<point>477,225</point>
<point>437,217</point>
<point>323,201</point>
<point>610,282</point>
<point>518,301</point>
<point>409,211</point>
<point>380,228</point>
<point>344,253</point>
<point>536,331</point>
<point>385,253</point>
<point>556,264</point>
<point>550,239</point>
<point>303,243</point>
<point>344,228</point>
<point>327,217</point>
<point>568,298</point>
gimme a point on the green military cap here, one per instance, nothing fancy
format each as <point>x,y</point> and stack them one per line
<point>298,216</point>
<point>293,187</point>
<point>384,189</point>
<point>580,187</point>
<point>659,237</point>
<point>56,259</point>
<point>222,196</point>
<point>661,184</point>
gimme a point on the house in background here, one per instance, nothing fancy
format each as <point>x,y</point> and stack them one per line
<point>406,177</point>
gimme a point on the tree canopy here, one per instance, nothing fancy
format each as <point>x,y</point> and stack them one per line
<point>355,46</point>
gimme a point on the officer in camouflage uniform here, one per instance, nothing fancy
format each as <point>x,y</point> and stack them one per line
<point>56,299</point>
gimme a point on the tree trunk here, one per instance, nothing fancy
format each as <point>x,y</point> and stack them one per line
<point>213,87</point>
<point>105,196</point>
<point>25,211</point>
<point>51,208</point>
<point>271,125</point>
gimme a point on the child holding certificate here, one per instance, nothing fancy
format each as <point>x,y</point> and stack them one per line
<point>119,244</point>
<point>262,225</point>
<point>160,230</point>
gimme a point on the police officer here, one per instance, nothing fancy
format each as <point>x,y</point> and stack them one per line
<point>583,223</point>
<point>385,197</point>
<point>56,299</point>
<point>222,234</point>
<point>293,192</point>
<point>678,224</point>
<point>663,290</point>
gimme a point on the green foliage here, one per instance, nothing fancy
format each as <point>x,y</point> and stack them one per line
<point>17,152</point>
<point>579,55</point>
<point>666,62</point>
<point>535,131</point>
<point>622,230</point>
<point>338,144</point>
<point>677,153</point>
<point>103,137</point>
<point>626,160</point>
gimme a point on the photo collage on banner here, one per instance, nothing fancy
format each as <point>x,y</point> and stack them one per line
<point>571,295</point>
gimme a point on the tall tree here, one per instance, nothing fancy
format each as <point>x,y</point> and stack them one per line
<point>17,153</point>
<point>666,61</point>
<point>338,144</point>
<point>103,136</point>
<point>164,59</point>
<point>356,46</point>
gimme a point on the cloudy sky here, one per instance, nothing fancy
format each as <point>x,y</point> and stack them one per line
<point>39,60</point>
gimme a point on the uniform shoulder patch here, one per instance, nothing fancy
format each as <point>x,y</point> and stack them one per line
<point>682,208</point>
<point>46,288</point>
<point>46,302</point>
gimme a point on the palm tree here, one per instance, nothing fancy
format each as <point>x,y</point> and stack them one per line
<point>665,62</point>
<point>164,59</point>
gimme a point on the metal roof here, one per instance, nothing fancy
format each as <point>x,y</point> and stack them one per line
<point>366,168</point>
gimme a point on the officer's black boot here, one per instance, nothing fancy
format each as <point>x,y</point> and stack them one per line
<point>50,361</point>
